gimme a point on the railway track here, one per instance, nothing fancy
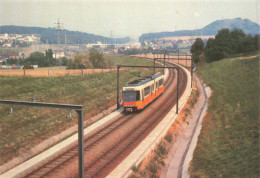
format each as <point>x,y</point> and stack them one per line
<point>103,163</point>
<point>114,155</point>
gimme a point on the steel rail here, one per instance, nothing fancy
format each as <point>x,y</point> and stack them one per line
<point>117,146</point>
<point>90,140</point>
<point>167,84</point>
<point>94,172</point>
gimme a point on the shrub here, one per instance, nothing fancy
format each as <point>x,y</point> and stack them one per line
<point>168,137</point>
<point>162,149</point>
<point>135,168</point>
<point>28,67</point>
<point>152,167</point>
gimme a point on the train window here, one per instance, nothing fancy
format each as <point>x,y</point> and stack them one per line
<point>157,85</point>
<point>152,88</point>
<point>137,95</point>
<point>161,82</point>
<point>147,90</point>
<point>131,96</point>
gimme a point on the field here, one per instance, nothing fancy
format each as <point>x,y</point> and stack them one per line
<point>228,144</point>
<point>27,127</point>
<point>51,72</point>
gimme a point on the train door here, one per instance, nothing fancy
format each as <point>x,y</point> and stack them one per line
<point>154,85</point>
<point>152,89</point>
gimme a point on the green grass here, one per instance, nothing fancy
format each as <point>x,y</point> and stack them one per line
<point>228,143</point>
<point>27,127</point>
<point>254,53</point>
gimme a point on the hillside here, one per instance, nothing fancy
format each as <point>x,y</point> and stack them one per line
<point>212,29</point>
<point>50,35</point>
<point>228,143</point>
<point>27,127</point>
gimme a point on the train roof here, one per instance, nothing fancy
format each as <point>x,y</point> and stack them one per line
<point>143,80</point>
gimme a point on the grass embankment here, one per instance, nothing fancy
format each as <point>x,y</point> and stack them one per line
<point>27,127</point>
<point>152,165</point>
<point>228,143</point>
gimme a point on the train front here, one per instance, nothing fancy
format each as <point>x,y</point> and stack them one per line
<point>131,99</point>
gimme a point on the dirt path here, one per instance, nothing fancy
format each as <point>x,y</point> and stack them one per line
<point>250,57</point>
<point>182,150</point>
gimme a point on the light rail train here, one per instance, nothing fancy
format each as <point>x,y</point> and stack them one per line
<point>141,92</point>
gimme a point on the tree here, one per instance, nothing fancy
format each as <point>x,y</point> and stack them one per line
<point>228,43</point>
<point>223,42</point>
<point>96,59</point>
<point>37,58</point>
<point>212,53</point>
<point>77,63</point>
<point>12,61</point>
<point>80,61</point>
<point>196,49</point>
<point>248,44</point>
<point>257,41</point>
<point>237,38</point>
<point>64,61</point>
<point>150,49</point>
<point>49,58</point>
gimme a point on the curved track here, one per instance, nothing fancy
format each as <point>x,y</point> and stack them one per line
<point>137,126</point>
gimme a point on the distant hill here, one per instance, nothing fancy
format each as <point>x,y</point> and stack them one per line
<point>246,25</point>
<point>72,37</point>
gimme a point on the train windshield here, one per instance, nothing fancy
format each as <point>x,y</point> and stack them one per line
<point>131,96</point>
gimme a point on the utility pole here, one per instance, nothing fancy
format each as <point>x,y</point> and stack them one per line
<point>59,28</point>
<point>112,43</point>
<point>163,63</point>
<point>65,38</point>
<point>178,55</point>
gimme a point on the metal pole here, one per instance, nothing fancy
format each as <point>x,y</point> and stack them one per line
<point>178,56</point>
<point>117,96</point>
<point>11,110</point>
<point>77,108</point>
<point>164,63</point>
<point>177,104</point>
<point>191,72</point>
<point>70,114</point>
<point>186,59</point>
<point>154,66</point>
<point>81,143</point>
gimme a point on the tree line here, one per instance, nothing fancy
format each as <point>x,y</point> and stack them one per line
<point>91,60</point>
<point>225,44</point>
<point>38,58</point>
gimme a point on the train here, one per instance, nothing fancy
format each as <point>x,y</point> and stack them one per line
<point>141,92</point>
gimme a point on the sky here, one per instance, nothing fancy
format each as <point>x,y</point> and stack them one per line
<point>125,17</point>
